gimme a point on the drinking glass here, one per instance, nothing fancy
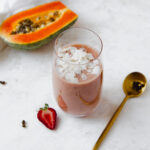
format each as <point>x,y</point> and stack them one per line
<point>77,85</point>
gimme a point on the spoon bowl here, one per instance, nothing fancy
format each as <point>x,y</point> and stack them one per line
<point>134,84</point>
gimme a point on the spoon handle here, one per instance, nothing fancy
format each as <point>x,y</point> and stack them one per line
<point>109,125</point>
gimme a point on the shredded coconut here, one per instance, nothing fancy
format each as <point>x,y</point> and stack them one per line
<point>83,76</point>
<point>72,62</point>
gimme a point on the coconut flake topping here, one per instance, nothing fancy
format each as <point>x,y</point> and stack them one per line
<point>74,63</point>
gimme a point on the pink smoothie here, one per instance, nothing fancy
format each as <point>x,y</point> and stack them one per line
<point>82,97</point>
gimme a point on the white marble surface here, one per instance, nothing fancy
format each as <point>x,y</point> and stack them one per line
<point>124,27</point>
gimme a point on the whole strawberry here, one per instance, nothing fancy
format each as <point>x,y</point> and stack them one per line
<point>47,116</point>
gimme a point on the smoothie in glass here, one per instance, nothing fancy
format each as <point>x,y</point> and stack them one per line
<point>77,78</point>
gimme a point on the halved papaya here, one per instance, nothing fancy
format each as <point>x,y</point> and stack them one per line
<point>34,27</point>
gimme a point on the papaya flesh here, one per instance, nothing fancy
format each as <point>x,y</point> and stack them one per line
<point>32,28</point>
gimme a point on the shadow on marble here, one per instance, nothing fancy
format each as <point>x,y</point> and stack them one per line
<point>44,50</point>
<point>4,53</point>
<point>58,122</point>
<point>49,47</point>
<point>104,110</point>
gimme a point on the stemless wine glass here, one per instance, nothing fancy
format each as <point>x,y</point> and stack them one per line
<point>77,71</point>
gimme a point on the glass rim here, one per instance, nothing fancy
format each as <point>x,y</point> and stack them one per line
<point>83,28</point>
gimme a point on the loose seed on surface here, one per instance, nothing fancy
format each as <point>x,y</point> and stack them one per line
<point>24,125</point>
<point>2,82</point>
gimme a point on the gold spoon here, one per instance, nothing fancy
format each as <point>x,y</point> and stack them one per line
<point>133,86</point>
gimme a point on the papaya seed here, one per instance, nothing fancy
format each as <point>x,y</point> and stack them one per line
<point>51,19</point>
<point>56,13</point>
